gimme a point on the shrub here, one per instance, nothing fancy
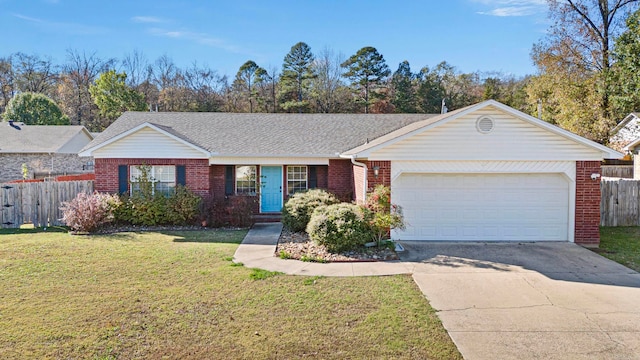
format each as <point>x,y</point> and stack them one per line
<point>236,211</point>
<point>179,208</point>
<point>381,214</point>
<point>87,212</point>
<point>298,209</point>
<point>339,227</point>
<point>182,206</point>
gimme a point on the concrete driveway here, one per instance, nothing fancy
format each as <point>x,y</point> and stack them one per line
<point>530,300</point>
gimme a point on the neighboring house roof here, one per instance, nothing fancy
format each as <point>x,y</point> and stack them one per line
<point>626,132</point>
<point>259,134</point>
<point>624,122</point>
<point>418,127</point>
<point>632,145</point>
<point>48,139</point>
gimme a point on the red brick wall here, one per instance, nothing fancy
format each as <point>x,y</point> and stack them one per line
<point>197,172</point>
<point>340,178</point>
<point>322,173</point>
<point>216,177</point>
<point>384,174</point>
<point>587,230</point>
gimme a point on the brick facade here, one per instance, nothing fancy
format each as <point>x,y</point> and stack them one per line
<point>340,179</point>
<point>197,173</point>
<point>216,178</point>
<point>587,228</point>
<point>384,174</point>
<point>42,164</point>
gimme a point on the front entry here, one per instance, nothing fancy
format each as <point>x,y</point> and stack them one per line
<point>271,189</point>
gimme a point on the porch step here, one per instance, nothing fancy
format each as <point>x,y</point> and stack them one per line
<point>267,217</point>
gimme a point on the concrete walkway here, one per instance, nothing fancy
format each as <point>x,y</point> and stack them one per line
<point>502,301</point>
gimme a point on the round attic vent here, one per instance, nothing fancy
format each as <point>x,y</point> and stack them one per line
<point>485,124</point>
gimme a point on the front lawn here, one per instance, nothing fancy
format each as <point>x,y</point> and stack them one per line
<point>178,295</point>
<point>622,245</point>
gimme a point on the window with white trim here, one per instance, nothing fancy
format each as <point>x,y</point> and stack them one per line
<point>161,177</point>
<point>296,179</point>
<point>246,177</point>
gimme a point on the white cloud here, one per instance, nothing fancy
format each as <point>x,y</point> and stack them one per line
<point>200,38</point>
<point>65,27</point>
<point>148,19</point>
<point>511,11</point>
<point>512,7</point>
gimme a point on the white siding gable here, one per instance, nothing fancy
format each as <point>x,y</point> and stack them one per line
<point>148,143</point>
<point>512,138</point>
<point>77,142</point>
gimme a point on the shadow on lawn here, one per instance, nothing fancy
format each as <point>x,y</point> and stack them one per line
<point>224,236</point>
<point>32,230</point>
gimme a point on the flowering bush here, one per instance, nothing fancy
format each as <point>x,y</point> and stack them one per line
<point>87,212</point>
<point>381,214</point>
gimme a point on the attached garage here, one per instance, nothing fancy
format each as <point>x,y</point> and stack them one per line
<point>483,207</point>
<point>488,173</point>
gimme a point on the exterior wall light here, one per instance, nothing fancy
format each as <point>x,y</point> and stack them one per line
<point>376,171</point>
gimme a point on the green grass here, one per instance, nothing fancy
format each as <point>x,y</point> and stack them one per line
<point>177,295</point>
<point>622,245</point>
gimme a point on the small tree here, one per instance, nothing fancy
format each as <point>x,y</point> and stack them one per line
<point>113,97</point>
<point>34,109</point>
<point>381,214</point>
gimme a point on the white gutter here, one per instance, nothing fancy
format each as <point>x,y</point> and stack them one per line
<point>364,178</point>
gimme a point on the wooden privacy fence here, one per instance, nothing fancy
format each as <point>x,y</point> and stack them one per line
<point>38,203</point>
<point>618,171</point>
<point>620,205</point>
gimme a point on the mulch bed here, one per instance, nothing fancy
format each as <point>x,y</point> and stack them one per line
<point>298,246</point>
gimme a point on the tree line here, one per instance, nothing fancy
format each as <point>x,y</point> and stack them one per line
<point>588,78</point>
<point>93,91</point>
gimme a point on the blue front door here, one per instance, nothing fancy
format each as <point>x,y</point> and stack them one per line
<point>271,189</point>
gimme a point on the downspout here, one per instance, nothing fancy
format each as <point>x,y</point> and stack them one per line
<point>364,178</point>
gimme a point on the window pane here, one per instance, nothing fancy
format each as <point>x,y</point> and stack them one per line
<point>162,178</point>
<point>296,179</point>
<point>246,180</point>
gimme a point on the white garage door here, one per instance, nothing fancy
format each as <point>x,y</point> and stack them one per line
<point>483,207</point>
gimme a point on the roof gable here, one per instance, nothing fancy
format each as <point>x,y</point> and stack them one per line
<point>48,139</point>
<point>455,136</point>
<point>149,141</point>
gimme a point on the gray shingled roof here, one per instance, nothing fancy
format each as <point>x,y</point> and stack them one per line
<point>234,134</point>
<point>35,138</point>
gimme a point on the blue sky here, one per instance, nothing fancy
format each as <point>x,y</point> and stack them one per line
<point>472,35</point>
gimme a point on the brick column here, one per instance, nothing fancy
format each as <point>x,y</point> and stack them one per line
<point>587,228</point>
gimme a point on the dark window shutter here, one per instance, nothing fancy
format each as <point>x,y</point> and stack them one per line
<point>181,175</point>
<point>313,177</point>
<point>123,179</point>
<point>228,180</point>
